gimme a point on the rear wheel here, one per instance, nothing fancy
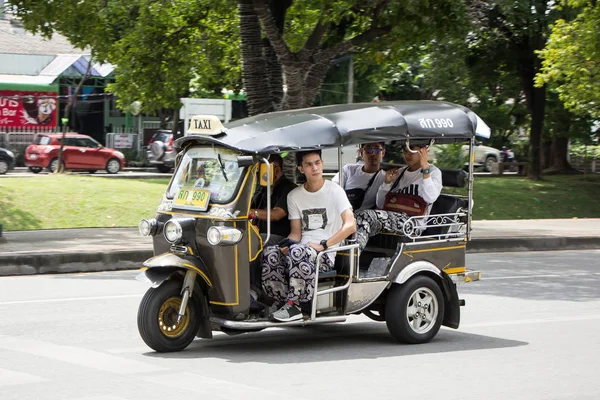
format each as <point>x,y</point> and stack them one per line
<point>157,318</point>
<point>163,168</point>
<point>53,166</point>
<point>414,311</point>
<point>35,170</point>
<point>3,167</point>
<point>113,166</point>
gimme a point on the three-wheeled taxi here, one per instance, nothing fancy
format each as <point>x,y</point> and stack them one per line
<point>204,240</point>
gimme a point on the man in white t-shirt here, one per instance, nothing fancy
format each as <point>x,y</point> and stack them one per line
<point>419,179</point>
<point>320,218</point>
<point>362,180</point>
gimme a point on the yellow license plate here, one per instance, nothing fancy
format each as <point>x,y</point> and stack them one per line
<point>191,199</point>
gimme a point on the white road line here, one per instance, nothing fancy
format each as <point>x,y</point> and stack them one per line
<point>497,278</point>
<point>124,296</point>
<point>216,388</point>
<point>8,377</point>
<point>532,321</point>
<point>77,355</point>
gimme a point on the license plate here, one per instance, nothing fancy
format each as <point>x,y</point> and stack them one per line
<point>191,199</point>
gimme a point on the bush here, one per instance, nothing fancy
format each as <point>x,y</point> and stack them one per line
<point>451,156</point>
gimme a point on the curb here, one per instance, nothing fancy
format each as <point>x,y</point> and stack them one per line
<point>498,245</point>
<point>60,263</point>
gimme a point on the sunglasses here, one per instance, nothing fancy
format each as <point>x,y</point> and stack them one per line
<point>372,150</point>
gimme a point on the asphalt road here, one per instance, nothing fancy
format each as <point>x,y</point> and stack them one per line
<point>529,331</point>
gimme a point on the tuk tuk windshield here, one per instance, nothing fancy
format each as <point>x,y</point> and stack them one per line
<point>208,168</point>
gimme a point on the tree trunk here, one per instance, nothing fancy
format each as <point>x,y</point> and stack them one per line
<point>560,164</point>
<point>254,67</point>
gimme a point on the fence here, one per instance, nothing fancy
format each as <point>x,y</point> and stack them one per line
<point>585,164</point>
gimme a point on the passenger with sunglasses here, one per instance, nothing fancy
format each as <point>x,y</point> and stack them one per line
<point>362,180</point>
<point>419,178</point>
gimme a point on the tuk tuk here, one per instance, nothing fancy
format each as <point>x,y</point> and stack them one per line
<point>204,240</point>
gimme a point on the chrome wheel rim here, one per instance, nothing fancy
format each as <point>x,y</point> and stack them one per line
<point>54,166</point>
<point>113,166</point>
<point>3,167</point>
<point>422,310</point>
<point>488,164</point>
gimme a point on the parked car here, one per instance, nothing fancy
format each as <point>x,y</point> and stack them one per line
<point>7,160</point>
<point>80,152</point>
<point>160,151</point>
<point>485,156</point>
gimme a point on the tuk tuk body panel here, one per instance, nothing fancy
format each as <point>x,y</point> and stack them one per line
<point>362,295</point>
<point>445,256</point>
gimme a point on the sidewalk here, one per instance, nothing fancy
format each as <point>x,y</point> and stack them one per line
<point>93,249</point>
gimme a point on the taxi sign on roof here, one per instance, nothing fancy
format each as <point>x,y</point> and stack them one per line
<point>205,125</point>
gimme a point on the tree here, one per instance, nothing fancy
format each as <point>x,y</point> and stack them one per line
<point>306,36</point>
<point>157,47</point>
<point>571,59</point>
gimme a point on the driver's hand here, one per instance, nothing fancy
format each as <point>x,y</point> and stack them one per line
<point>316,246</point>
<point>284,250</point>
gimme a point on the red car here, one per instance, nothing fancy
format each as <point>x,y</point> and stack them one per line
<point>80,152</point>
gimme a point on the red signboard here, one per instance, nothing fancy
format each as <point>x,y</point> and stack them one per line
<point>20,109</point>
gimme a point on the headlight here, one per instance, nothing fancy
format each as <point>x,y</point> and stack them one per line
<point>223,235</point>
<point>10,153</point>
<point>119,154</point>
<point>148,227</point>
<point>173,231</point>
<point>48,149</point>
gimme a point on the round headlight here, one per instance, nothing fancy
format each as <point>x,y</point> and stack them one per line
<point>147,227</point>
<point>173,231</point>
<point>213,235</point>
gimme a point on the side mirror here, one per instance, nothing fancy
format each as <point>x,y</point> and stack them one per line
<point>245,161</point>
<point>262,173</point>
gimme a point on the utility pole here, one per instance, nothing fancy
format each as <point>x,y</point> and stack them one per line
<point>350,79</point>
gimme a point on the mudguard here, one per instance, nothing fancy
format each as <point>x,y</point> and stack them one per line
<point>452,309</point>
<point>161,267</point>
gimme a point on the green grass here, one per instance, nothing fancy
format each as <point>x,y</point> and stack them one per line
<point>73,201</point>
<point>557,196</point>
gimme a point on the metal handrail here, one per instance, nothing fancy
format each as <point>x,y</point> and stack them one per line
<point>352,248</point>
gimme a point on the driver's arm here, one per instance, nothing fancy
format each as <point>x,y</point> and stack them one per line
<point>295,229</point>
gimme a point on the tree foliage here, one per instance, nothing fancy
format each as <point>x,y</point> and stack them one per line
<point>572,60</point>
<point>157,47</point>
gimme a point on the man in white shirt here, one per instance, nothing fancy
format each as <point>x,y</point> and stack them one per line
<point>418,179</point>
<point>362,180</point>
<point>320,217</point>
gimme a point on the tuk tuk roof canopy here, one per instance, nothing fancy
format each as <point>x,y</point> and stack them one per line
<point>348,124</point>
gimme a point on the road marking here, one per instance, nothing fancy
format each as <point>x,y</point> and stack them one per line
<point>215,388</point>
<point>524,277</point>
<point>77,355</point>
<point>532,321</point>
<point>124,296</point>
<point>8,377</point>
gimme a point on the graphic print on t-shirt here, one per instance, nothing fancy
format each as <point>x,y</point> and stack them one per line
<point>314,218</point>
<point>410,189</point>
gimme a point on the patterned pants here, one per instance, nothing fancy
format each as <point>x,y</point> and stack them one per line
<point>291,277</point>
<point>371,222</point>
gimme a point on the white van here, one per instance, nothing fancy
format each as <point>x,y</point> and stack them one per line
<point>350,155</point>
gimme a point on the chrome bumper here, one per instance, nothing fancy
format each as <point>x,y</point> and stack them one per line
<point>465,277</point>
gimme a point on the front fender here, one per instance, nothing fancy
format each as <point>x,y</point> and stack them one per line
<point>161,267</point>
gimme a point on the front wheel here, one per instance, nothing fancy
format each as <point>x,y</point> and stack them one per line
<point>414,311</point>
<point>113,166</point>
<point>3,167</point>
<point>489,161</point>
<point>157,318</point>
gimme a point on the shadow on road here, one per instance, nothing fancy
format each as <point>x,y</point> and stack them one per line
<point>329,342</point>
